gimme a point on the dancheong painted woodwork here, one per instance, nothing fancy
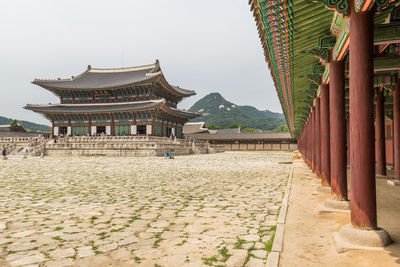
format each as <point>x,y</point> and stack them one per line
<point>124,101</point>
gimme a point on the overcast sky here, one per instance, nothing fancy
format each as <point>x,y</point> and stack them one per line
<point>208,46</point>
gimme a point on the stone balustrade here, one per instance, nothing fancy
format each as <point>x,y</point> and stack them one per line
<point>114,139</point>
<point>109,145</point>
<point>17,139</point>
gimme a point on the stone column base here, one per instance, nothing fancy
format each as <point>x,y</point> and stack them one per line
<point>380,176</point>
<point>349,238</point>
<point>394,182</point>
<point>332,205</point>
<point>324,189</point>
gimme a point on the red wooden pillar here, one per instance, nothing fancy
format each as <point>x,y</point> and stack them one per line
<point>362,135</point>
<point>153,128</point>
<point>289,144</point>
<point>52,129</point>
<point>90,127</point>
<point>112,127</point>
<point>280,144</point>
<point>318,137</point>
<point>396,130</point>
<point>314,138</point>
<point>309,143</point>
<point>263,142</point>
<point>338,135</point>
<point>380,133</point>
<point>325,146</point>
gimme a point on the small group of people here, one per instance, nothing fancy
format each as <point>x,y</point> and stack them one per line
<point>168,154</point>
<point>4,153</point>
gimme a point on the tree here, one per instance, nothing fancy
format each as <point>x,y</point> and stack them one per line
<point>213,127</point>
<point>234,125</point>
<point>250,130</point>
<point>14,126</point>
<point>281,128</point>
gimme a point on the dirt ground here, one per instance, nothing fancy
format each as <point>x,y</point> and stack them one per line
<point>308,239</point>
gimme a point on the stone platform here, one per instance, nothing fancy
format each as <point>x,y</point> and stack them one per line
<point>125,146</point>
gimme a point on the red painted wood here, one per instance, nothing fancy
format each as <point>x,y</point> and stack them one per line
<point>389,142</point>
<point>396,129</point>
<point>318,137</point>
<point>380,133</point>
<point>362,134</point>
<point>325,145</point>
<point>314,143</point>
<point>338,135</point>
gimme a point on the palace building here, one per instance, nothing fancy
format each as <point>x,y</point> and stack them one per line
<point>116,102</point>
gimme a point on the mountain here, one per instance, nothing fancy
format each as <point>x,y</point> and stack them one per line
<point>217,111</point>
<point>34,127</point>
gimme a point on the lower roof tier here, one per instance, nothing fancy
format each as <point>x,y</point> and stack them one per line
<point>49,110</point>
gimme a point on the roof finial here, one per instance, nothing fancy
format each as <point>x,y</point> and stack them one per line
<point>89,67</point>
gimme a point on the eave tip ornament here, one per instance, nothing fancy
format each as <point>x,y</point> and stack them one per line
<point>340,6</point>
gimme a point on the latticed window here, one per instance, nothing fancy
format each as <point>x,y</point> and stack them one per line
<point>389,132</point>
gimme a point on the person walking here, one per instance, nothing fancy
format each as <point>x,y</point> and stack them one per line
<point>4,153</point>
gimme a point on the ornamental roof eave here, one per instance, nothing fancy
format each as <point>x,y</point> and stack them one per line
<point>180,113</point>
<point>96,107</point>
<point>48,109</point>
<point>106,79</point>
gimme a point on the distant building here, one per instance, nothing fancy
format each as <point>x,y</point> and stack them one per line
<point>6,128</point>
<point>117,102</point>
<point>195,127</point>
<point>228,131</point>
<point>234,139</point>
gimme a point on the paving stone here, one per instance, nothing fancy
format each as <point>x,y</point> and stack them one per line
<point>159,224</point>
<point>250,237</point>
<point>262,254</point>
<point>24,233</point>
<point>266,238</point>
<point>196,205</point>
<point>21,247</point>
<point>237,259</point>
<point>259,245</point>
<point>26,260</point>
<point>62,253</point>
<point>107,247</point>
<point>127,241</point>
<point>248,245</point>
<point>254,262</point>
<point>85,251</point>
<point>3,225</point>
<point>5,241</point>
<point>60,263</point>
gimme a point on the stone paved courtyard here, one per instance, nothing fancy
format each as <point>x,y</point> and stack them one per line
<point>218,210</point>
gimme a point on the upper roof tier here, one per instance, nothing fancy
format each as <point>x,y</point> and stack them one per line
<point>94,79</point>
<point>110,107</point>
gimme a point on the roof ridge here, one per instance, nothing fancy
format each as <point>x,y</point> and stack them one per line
<point>160,101</point>
<point>127,69</point>
<point>154,70</point>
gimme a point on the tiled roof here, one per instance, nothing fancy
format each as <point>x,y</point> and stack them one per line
<point>94,78</point>
<point>89,108</point>
<point>240,136</point>
<point>194,127</point>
